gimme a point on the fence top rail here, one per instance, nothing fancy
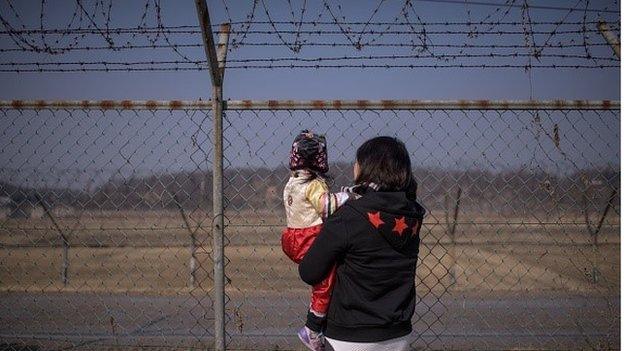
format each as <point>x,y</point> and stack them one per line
<point>422,105</point>
<point>314,104</point>
<point>106,104</point>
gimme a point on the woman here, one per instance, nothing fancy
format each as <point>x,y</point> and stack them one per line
<point>373,241</point>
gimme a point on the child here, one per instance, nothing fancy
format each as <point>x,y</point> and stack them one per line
<point>308,202</point>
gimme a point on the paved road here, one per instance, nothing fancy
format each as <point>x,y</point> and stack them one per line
<point>104,321</point>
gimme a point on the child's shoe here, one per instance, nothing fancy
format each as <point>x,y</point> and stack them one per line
<point>311,339</point>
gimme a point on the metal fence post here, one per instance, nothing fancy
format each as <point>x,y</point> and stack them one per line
<point>217,204</point>
<point>217,225</point>
<point>611,38</point>
<point>451,226</point>
<point>64,240</point>
<point>216,69</point>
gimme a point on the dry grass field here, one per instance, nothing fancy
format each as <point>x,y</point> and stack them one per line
<point>150,254</point>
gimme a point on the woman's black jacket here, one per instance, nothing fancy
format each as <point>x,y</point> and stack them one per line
<point>374,243</point>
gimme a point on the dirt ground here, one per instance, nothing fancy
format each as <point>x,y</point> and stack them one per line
<point>549,265</point>
<point>260,321</point>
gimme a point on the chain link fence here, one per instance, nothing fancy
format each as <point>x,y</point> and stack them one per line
<point>105,229</point>
<point>106,222</point>
<point>520,247</point>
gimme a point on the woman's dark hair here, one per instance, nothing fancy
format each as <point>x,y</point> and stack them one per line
<point>385,161</point>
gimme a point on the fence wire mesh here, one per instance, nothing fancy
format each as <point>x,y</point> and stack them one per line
<point>520,248</point>
<point>105,228</point>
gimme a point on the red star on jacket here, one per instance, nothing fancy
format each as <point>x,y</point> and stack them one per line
<point>375,219</point>
<point>399,225</point>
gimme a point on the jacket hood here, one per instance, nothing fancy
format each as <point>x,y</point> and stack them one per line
<point>395,217</point>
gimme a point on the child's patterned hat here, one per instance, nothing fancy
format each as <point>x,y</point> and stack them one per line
<point>309,151</point>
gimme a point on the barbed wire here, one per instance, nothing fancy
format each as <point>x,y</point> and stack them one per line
<point>292,63</point>
<point>389,45</point>
<point>432,23</point>
<point>298,66</point>
<point>542,7</point>
<point>87,23</point>
<point>319,31</point>
<point>297,59</point>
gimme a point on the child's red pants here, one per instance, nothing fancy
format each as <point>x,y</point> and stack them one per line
<point>295,243</point>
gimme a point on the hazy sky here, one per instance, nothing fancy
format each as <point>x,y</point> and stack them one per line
<point>126,142</point>
<point>443,83</point>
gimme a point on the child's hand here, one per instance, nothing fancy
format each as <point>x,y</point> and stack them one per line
<point>351,191</point>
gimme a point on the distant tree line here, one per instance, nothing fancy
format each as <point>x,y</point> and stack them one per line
<point>513,192</point>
